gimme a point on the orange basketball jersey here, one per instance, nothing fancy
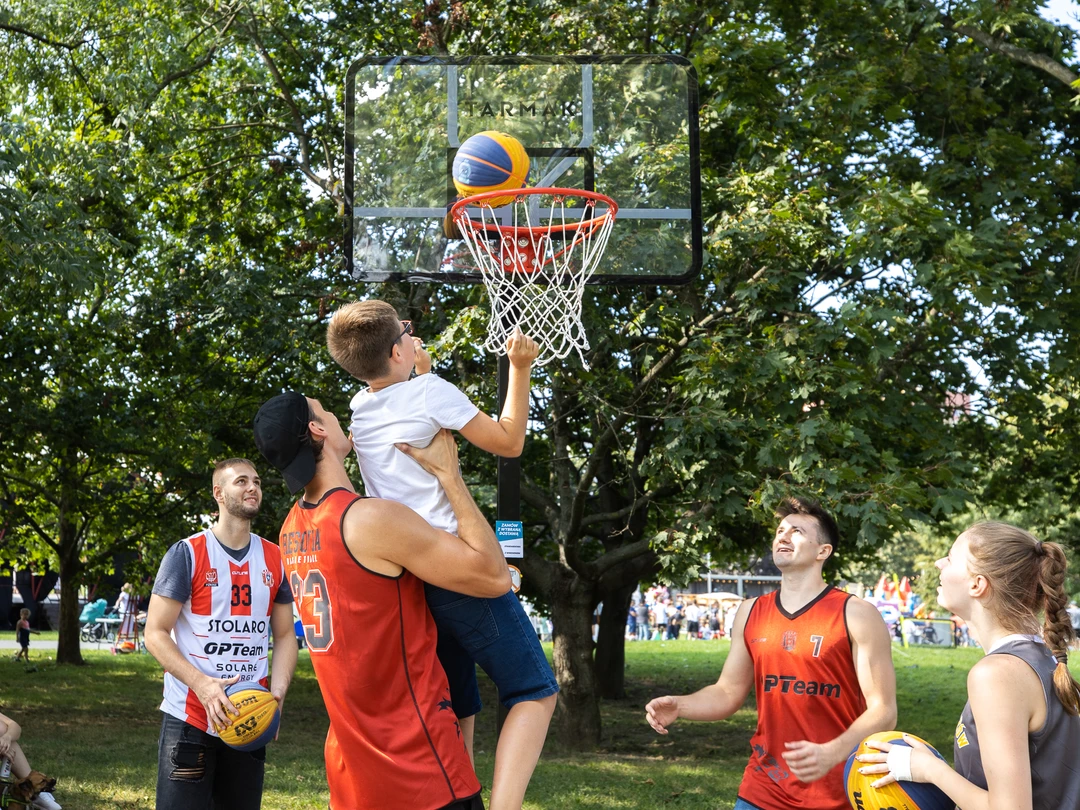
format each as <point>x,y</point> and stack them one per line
<point>806,689</point>
<point>394,742</point>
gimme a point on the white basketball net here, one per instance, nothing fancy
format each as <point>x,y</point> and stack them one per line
<point>536,255</point>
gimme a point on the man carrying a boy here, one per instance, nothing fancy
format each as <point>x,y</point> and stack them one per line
<point>368,340</point>
<point>357,566</point>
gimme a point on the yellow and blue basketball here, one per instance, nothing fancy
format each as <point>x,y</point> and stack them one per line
<point>898,795</point>
<point>490,161</point>
<point>258,720</point>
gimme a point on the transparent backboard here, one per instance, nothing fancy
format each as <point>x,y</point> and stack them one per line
<point>623,126</point>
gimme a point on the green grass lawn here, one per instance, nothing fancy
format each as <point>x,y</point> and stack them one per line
<point>44,638</point>
<point>96,728</point>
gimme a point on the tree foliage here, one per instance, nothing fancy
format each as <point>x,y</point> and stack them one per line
<point>887,319</point>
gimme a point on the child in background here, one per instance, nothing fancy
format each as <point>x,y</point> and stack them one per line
<point>369,341</point>
<point>22,635</point>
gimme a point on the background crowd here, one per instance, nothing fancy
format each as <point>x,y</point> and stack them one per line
<point>657,614</point>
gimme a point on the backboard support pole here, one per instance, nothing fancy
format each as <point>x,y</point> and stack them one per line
<point>508,492</point>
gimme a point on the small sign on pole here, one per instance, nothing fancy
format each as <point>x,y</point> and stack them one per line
<point>511,536</point>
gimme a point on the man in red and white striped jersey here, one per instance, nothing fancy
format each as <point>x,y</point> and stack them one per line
<point>218,596</point>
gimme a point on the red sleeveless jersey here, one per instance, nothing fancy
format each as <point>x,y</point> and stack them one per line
<point>394,742</point>
<point>806,689</point>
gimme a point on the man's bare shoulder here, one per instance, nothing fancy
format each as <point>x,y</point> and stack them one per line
<point>861,608</point>
<point>862,615</point>
<point>742,614</point>
<point>745,606</point>
<point>376,530</point>
<point>367,513</point>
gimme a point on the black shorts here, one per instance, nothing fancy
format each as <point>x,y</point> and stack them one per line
<point>474,803</point>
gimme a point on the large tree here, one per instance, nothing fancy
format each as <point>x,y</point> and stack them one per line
<point>890,204</point>
<point>154,262</point>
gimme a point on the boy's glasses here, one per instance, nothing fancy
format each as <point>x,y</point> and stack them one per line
<point>406,330</point>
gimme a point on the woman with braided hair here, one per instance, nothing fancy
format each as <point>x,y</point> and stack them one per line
<point>1018,739</point>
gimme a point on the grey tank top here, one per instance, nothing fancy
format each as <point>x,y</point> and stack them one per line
<point>1055,769</point>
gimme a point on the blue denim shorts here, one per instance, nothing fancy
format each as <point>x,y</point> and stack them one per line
<point>743,804</point>
<point>497,635</point>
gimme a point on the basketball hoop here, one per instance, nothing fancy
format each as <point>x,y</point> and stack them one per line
<point>536,254</point>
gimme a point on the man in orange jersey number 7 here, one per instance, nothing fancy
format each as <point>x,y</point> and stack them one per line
<point>820,663</point>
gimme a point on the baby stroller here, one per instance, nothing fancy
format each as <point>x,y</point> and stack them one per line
<point>91,628</point>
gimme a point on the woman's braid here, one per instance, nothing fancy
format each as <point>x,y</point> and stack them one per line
<point>1057,624</point>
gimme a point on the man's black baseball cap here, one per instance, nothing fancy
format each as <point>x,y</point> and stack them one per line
<point>281,434</point>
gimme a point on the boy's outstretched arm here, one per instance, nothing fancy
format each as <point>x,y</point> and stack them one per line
<point>506,437</point>
<point>422,363</point>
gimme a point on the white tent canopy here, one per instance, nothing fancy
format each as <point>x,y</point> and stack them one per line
<point>717,596</point>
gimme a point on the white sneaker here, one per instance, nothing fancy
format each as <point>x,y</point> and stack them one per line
<point>45,801</point>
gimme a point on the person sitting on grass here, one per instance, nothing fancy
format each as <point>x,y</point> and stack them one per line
<point>368,340</point>
<point>22,635</point>
<point>26,779</point>
<point>1018,736</point>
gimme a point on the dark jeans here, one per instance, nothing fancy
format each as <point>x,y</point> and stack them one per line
<point>197,771</point>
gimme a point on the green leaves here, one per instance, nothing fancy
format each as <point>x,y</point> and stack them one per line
<point>887,319</point>
<point>157,278</point>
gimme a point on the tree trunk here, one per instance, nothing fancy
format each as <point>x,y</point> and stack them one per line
<point>6,601</point>
<point>611,642</point>
<point>68,650</point>
<point>577,714</point>
<point>616,587</point>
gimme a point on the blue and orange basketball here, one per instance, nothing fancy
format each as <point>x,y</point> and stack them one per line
<point>490,161</point>
<point>258,720</point>
<point>898,795</point>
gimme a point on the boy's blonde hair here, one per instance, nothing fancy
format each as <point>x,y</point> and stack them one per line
<point>24,613</point>
<point>361,337</point>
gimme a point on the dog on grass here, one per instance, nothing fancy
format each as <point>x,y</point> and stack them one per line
<point>21,793</point>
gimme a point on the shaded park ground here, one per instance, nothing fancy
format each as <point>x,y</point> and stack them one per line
<point>96,728</point>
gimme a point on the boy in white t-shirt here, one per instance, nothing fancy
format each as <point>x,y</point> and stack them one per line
<point>369,341</point>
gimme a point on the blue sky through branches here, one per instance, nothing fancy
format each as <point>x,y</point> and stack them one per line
<point>1063,11</point>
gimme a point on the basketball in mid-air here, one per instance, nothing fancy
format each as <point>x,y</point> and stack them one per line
<point>898,795</point>
<point>258,720</point>
<point>490,161</point>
